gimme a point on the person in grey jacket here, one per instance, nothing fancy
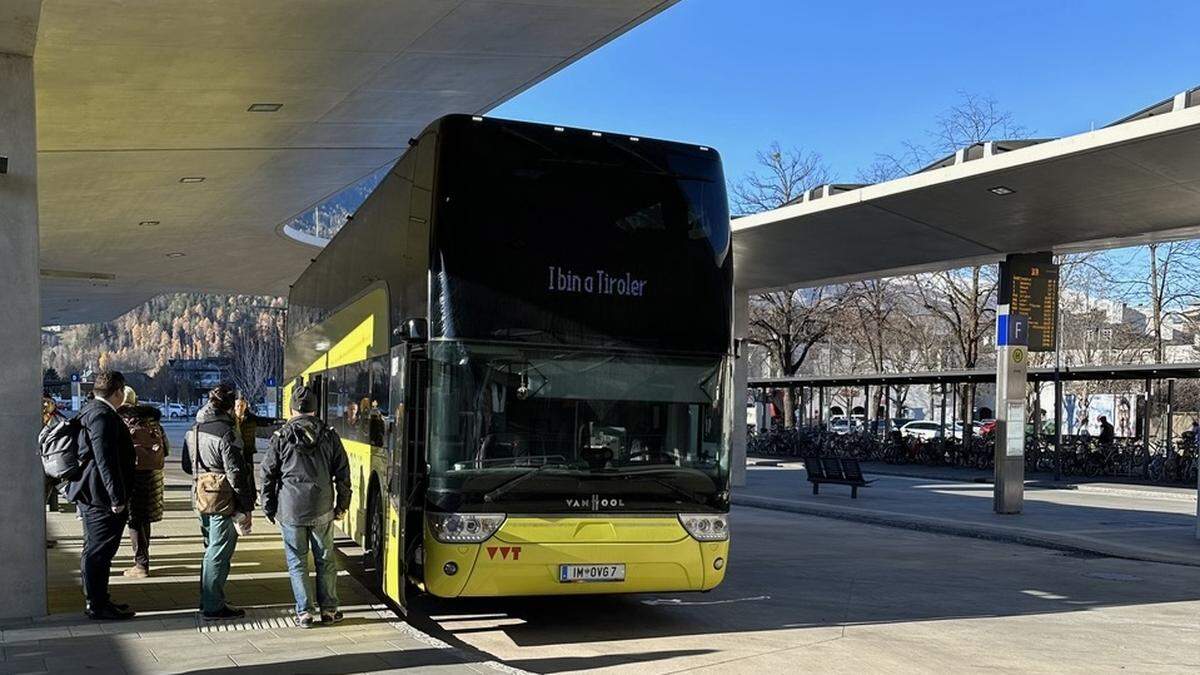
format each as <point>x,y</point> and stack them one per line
<point>214,445</point>
<point>306,487</point>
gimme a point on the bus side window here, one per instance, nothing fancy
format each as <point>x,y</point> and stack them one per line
<point>378,397</point>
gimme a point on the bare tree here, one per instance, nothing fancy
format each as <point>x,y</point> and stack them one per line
<point>788,324</point>
<point>973,119</point>
<point>256,356</point>
<point>1172,281</point>
<point>783,176</point>
<point>965,303</point>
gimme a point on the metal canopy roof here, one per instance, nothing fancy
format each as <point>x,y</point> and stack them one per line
<point>133,96</point>
<point>986,376</point>
<point>1135,181</point>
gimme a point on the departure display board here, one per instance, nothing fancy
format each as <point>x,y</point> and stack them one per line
<point>1029,286</point>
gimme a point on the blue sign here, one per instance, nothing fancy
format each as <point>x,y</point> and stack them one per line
<point>271,382</point>
<point>1012,329</point>
<point>74,377</point>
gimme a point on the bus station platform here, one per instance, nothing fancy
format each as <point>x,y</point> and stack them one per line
<point>803,592</point>
<point>168,635</point>
<point>1138,522</point>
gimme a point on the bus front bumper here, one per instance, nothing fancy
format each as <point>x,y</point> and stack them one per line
<point>525,555</point>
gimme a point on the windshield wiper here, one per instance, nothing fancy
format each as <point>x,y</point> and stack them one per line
<point>508,486</point>
<point>692,497</point>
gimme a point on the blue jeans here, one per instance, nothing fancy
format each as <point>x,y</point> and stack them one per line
<point>220,540</point>
<point>296,541</point>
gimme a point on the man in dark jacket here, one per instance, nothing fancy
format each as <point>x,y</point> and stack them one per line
<point>306,487</point>
<point>214,446</point>
<point>102,491</point>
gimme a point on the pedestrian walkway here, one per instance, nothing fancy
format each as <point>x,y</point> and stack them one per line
<point>167,636</point>
<point>1154,524</point>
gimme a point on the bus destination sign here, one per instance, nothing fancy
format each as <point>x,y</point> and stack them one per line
<point>1029,286</point>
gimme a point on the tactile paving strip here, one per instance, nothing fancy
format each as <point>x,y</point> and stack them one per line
<point>258,618</point>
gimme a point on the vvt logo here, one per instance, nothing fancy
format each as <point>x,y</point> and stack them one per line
<point>595,503</point>
<point>504,552</point>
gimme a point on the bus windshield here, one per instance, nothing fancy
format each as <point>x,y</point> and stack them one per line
<point>501,410</point>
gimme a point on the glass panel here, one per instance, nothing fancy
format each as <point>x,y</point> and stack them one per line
<point>356,390</point>
<point>495,407</point>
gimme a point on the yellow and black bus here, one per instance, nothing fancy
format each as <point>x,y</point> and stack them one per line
<point>524,337</point>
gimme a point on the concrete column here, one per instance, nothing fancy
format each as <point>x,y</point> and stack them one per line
<point>741,330</point>
<point>23,570</point>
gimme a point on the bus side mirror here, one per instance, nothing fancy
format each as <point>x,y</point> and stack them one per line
<point>414,330</point>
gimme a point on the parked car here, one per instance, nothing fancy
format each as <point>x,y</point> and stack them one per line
<point>958,427</point>
<point>839,426</point>
<point>174,411</point>
<point>921,429</point>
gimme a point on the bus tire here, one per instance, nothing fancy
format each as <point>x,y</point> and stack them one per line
<point>375,538</point>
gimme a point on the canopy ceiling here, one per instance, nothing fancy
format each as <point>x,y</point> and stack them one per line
<point>134,96</point>
<point>1135,181</point>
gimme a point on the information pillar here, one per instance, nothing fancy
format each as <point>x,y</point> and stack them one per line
<point>1026,321</point>
<point>1011,368</point>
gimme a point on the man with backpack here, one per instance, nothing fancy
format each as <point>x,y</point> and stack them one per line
<point>102,490</point>
<point>306,487</point>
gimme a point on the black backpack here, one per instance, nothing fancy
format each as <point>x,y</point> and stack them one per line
<point>59,443</point>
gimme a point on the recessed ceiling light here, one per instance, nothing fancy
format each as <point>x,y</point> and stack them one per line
<point>149,223</point>
<point>192,179</point>
<point>1001,190</point>
<point>264,107</point>
<point>176,254</point>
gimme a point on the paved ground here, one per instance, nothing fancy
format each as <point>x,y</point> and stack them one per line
<point>811,594</point>
<point>803,593</point>
<point>167,637</point>
<point>1156,524</point>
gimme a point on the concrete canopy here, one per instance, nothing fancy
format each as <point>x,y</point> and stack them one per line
<point>1133,182</point>
<point>134,96</point>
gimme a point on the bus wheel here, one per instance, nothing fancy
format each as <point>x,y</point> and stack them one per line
<point>375,539</point>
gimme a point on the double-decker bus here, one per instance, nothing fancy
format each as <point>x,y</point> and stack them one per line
<point>524,339</point>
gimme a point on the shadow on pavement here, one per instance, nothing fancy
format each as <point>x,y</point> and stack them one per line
<point>793,571</point>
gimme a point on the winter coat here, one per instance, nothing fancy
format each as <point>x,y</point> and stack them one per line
<point>306,475</point>
<point>248,430</point>
<point>106,451</point>
<point>150,448</point>
<point>215,439</point>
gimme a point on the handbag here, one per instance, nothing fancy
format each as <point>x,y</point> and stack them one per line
<point>212,491</point>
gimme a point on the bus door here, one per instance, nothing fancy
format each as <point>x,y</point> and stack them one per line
<point>406,470</point>
<point>394,518</point>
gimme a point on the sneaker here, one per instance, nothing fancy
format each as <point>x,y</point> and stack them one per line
<point>331,617</point>
<point>226,612</point>
<point>305,620</point>
<point>137,572</point>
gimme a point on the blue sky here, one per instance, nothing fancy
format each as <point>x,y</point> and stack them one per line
<point>849,80</point>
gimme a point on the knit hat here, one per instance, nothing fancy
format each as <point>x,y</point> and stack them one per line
<point>304,400</point>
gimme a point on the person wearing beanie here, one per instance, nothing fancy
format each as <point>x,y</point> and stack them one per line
<point>150,450</point>
<point>306,487</point>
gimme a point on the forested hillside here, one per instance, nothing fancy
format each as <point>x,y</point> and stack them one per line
<point>185,325</point>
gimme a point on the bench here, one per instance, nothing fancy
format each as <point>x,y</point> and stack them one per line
<point>835,470</point>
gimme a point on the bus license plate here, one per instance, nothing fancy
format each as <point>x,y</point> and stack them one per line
<point>573,573</point>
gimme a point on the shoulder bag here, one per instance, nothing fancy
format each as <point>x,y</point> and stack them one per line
<point>214,494</point>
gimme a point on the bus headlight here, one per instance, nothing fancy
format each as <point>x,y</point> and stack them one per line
<point>705,527</point>
<point>464,528</point>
